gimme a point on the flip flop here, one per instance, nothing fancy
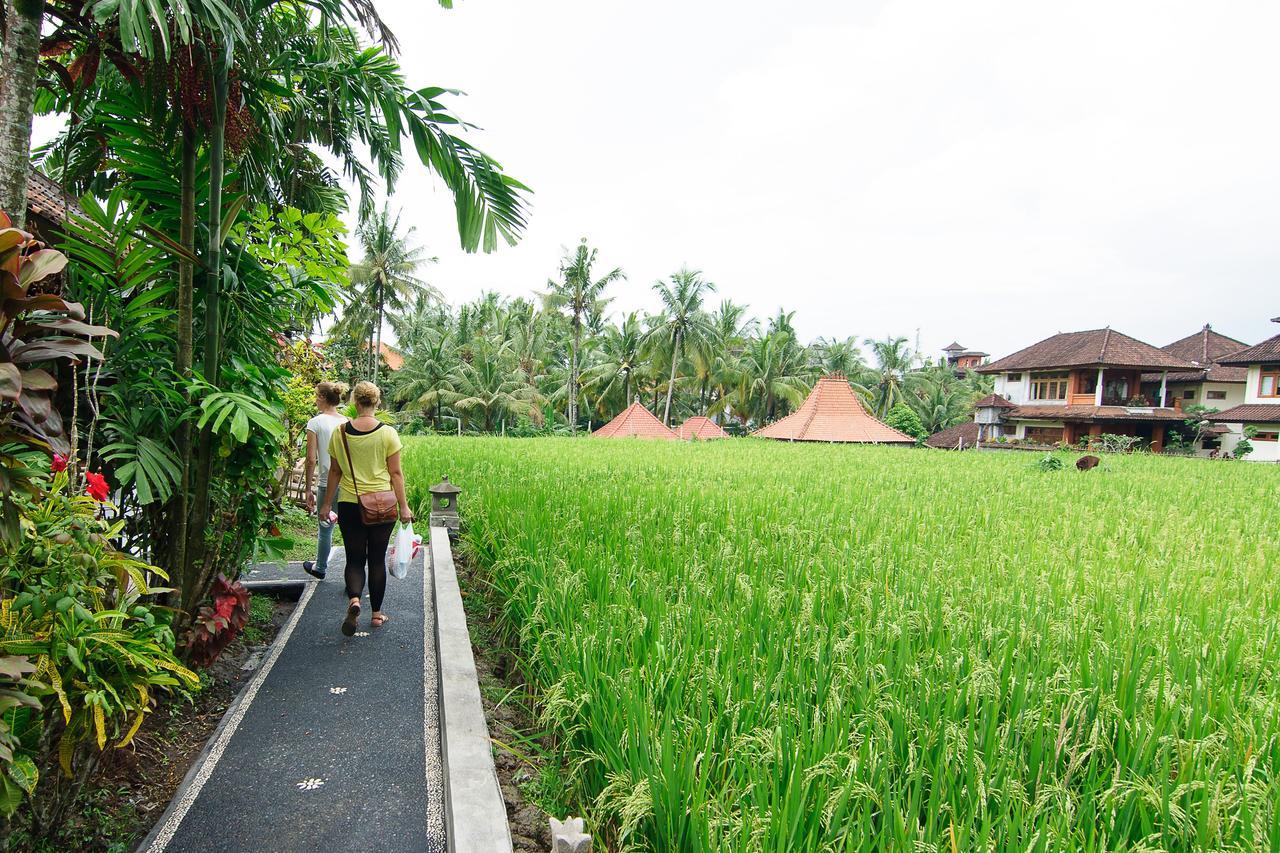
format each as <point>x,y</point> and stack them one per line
<point>379,620</point>
<point>349,624</point>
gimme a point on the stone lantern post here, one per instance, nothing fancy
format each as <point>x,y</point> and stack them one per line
<point>444,505</point>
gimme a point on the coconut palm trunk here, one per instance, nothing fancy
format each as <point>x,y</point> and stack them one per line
<point>671,385</point>
<point>377,349</point>
<point>18,59</point>
<point>573,376</point>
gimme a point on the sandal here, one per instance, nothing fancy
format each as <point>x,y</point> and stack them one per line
<point>379,619</point>
<point>349,624</point>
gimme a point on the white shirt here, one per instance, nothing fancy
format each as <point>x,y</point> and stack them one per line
<point>323,427</point>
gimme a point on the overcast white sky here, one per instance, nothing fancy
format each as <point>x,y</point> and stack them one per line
<point>987,171</point>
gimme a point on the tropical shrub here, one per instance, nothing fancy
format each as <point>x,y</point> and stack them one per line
<point>1245,445</point>
<point>18,773</point>
<point>904,419</point>
<point>1050,462</point>
<point>79,609</point>
<point>35,329</point>
<point>216,625</point>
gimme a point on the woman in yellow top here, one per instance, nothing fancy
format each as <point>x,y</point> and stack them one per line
<point>375,463</point>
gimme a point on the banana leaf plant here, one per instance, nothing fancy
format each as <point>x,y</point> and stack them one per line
<point>37,329</point>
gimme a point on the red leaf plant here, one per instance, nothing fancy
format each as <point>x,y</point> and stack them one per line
<point>216,625</point>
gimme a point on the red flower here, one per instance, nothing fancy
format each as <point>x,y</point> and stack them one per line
<point>97,488</point>
<point>59,463</point>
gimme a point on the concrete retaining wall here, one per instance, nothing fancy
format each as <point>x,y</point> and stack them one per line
<point>475,814</point>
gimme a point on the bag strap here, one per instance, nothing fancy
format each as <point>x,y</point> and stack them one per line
<point>346,445</point>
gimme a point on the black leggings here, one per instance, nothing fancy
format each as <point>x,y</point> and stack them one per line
<point>364,543</point>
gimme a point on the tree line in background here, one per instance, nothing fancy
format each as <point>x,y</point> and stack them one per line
<point>562,362</point>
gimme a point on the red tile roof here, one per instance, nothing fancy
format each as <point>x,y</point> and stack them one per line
<point>993,401</point>
<point>1204,349</point>
<point>393,358</point>
<point>959,437</point>
<point>700,428</point>
<point>1267,352</point>
<point>833,412</point>
<point>1093,348</point>
<point>1258,413</point>
<point>635,421</point>
<point>1095,413</point>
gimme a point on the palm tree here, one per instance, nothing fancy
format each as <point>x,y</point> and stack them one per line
<point>619,358</point>
<point>713,365</point>
<point>838,356</point>
<point>771,370</point>
<point>886,382</point>
<point>939,399</point>
<point>581,297</point>
<point>427,375</point>
<point>384,280</point>
<point>682,325</point>
<point>493,385</point>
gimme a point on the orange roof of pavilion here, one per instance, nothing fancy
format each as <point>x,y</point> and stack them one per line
<point>833,413</point>
<point>700,428</point>
<point>635,421</point>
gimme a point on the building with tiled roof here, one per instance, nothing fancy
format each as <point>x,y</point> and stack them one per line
<point>635,421</point>
<point>700,429</point>
<point>962,436</point>
<point>962,359</point>
<point>48,206</point>
<point>993,401</point>
<point>1259,414</point>
<point>1096,348</point>
<point>1077,384</point>
<point>833,413</point>
<point>1212,385</point>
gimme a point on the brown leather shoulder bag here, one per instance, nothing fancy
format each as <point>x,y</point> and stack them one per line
<point>375,507</point>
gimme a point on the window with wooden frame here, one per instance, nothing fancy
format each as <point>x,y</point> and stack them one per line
<point>1049,386</point>
<point>1044,435</point>
<point>1267,436</point>
<point>1215,395</point>
<point>1269,381</point>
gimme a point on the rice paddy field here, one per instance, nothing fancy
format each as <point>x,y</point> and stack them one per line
<point>746,645</point>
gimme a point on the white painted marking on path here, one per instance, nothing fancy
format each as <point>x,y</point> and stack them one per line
<point>337,691</point>
<point>233,722</point>
<point>310,784</point>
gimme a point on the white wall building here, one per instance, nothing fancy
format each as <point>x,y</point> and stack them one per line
<point>1259,413</point>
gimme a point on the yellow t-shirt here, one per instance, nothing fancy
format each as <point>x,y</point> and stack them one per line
<point>370,450</point>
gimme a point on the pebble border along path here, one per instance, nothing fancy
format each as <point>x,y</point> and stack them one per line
<point>323,749</point>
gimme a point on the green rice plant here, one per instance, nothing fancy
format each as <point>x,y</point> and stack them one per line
<point>745,645</point>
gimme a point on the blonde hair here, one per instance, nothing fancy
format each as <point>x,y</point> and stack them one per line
<point>332,393</point>
<point>367,395</point>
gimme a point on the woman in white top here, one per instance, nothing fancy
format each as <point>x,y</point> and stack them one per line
<point>329,396</point>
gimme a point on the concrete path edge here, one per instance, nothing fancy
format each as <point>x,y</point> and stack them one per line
<point>475,814</point>
<point>158,839</point>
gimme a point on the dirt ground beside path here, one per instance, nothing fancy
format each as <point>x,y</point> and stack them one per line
<point>524,773</point>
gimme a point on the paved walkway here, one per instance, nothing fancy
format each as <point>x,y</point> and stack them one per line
<point>334,745</point>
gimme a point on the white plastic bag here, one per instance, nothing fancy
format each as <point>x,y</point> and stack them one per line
<point>402,551</point>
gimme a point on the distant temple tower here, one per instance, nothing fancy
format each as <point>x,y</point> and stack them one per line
<point>963,360</point>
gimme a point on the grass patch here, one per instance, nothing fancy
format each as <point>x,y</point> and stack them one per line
<point>301,526</point>
<point>261,609</point>
<point>752,645</point>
